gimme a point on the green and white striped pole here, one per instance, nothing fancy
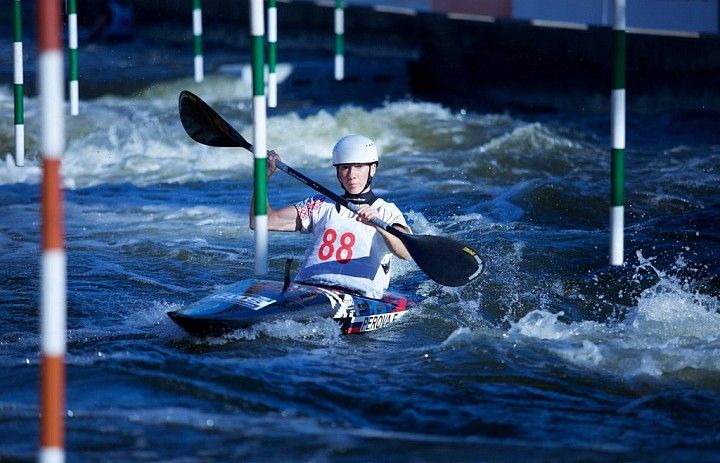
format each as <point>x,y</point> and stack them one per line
<point>339,40</point>
<point>617,105</point>
<point>197,40</point>
<point>73,45</point>
<point>272,53</point>
<point>257,41</point>
<point>19,87</point>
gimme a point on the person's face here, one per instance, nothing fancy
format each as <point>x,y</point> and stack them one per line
<point>354,177</point>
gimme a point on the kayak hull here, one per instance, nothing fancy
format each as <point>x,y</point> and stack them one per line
<point>249,302</point>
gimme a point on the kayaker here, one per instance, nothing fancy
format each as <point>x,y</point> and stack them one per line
<point>348,251</point>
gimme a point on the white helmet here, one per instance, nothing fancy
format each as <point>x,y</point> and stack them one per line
<point>354,149</point>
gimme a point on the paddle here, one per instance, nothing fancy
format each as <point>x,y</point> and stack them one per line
<point>444,260</point>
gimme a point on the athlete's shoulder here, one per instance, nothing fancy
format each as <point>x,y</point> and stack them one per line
<point>311,205</point>
<point>313,201</point>
<point>390,213</point>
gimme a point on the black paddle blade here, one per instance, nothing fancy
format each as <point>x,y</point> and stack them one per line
<point>206,126</point>
<point>444,260</point>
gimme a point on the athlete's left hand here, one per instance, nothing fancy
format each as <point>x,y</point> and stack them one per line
<point>366,214</point>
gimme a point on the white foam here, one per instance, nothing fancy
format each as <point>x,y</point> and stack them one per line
<point>140,140</point>
<point>672,328</point>
<point>530,138</point>
<point>322,330</point>
<point>460,335</point>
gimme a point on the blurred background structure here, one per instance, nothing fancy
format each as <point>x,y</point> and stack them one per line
<point>503,54</point>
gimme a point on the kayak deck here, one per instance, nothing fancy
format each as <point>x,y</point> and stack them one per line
<point>248,302</point>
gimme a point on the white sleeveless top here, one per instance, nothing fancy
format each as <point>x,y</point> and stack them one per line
<point>345,252</point>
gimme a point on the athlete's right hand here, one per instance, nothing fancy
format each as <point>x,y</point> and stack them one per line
<point>272,157</point>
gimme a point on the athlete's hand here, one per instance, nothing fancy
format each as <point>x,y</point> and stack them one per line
<point>272,158</point>
<point>366,214</point>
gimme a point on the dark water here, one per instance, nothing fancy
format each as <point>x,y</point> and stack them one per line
<point>551,356</point>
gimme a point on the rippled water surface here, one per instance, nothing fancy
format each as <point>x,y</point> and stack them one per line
<point>551,356</point>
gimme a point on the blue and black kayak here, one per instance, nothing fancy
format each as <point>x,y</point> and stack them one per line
<point>248,302</point>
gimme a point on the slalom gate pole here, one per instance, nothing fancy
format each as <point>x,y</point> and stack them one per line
<point>617,196</point>
<point>339,40</point>
<point>53,265</point>
<point>18,84</point>
<point>197,41</point>
<point>257,41</point>
<point>272,53</point>
<point>73,54</point>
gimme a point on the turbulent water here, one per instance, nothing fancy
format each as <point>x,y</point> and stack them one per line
<point>552,355</point>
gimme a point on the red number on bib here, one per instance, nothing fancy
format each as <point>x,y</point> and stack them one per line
<point>327,248</point>
<point>344,252</point>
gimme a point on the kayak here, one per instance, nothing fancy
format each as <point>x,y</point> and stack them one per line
<point>248,302</point>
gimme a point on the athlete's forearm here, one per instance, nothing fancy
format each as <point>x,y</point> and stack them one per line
<point>394,244</point>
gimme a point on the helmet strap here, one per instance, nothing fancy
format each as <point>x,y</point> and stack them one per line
<point>365,197</point>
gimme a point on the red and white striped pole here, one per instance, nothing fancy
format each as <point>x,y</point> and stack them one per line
<point>53,264</point>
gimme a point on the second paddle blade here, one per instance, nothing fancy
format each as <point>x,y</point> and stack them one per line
<point>446,261</point>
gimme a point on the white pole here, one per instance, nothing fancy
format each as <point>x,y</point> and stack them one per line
<point>617,197</point>
<point>197,41</point>
<point>257,38</point>
<point>19,85</point>
<point>339,40</point>
<point>73,53</point>
<point>272,53</point>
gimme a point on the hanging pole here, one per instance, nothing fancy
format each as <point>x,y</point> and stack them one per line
<point>617,105</point>
<point>339,40</point>
<point>53,265</point>
<point>197,40</point>
<point>272,53</point>
<point>18,84</point>
<point>73,45</point>
<point>257,40</point>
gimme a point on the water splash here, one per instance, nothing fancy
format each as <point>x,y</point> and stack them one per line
<point>529,138</point>
<point>321,331</point>
<point>671,330</point>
